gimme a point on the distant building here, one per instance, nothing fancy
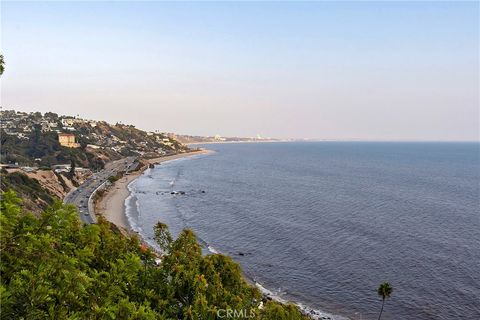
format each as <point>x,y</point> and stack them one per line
<point>10,133</point>
<point>58,168</point>
<point>68,122</point>
<point>45,127</point>
<point>219,138</point>
<point>67,140</point>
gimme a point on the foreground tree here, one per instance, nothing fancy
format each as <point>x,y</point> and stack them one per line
<point>55,267</point>
<point>384,290</point>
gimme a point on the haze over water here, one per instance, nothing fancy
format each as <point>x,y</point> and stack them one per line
<point>338,70</point>
<point>324,223</point>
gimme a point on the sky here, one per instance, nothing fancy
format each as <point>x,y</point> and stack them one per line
<point>318,70</point>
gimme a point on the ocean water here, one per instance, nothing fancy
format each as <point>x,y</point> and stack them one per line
<point>324,223</point>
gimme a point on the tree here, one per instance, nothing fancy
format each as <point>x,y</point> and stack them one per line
<point>72,167</point>
<point>163,237</point>
<point>55,267</point>
<point>2,64</point>
<point>384,290</point>
<point>51,115</point>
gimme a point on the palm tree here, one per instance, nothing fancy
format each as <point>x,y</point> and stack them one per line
<point>384,290</point>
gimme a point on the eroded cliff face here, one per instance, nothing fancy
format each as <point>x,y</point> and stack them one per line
<point>40,188</point>
<point>56,183</point>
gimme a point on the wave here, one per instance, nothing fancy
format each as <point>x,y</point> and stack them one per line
<point>130,206</point>
<point>207,246</point>
<point>212,250</point>
<point>132,211</point>
<point>311,312</point>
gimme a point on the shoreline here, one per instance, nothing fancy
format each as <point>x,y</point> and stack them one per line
<point>112,205</point>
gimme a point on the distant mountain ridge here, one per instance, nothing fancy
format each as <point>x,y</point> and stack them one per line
<point>189,139</point>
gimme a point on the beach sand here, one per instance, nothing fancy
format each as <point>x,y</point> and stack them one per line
<point>112,204</point>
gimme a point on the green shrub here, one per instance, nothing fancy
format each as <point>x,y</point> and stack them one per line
<point>55,267</point>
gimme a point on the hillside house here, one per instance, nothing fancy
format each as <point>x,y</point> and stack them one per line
<point>67,140</point>
<point>68,122</point>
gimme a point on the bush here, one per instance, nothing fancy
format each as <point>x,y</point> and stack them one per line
<point>112,179</point>
<point>55,267</point>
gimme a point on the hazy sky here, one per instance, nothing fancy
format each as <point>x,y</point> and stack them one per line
<point>328,70</point>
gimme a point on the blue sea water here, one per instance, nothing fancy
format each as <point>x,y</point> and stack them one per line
<point>324,223</point>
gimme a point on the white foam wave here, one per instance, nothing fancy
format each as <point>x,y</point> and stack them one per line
<point>132,221</point>
<point>311,312</point>
<point>128,208</point>
<point>212,249</point>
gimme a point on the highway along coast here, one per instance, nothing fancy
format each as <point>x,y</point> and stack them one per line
<point>81,197</point>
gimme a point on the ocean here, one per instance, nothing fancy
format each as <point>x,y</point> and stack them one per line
<point>322,224</point>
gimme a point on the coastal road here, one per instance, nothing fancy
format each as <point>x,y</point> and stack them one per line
<point>80,196</point>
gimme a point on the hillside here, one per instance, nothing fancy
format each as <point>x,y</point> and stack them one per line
<point>33,139</point>
<point>35,196</point>
<point>41,167</point>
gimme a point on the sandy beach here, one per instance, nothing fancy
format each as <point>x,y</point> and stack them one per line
<point>112,204</point>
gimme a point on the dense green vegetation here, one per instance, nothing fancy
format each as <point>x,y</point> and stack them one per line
<point>54,267</point>
<point>112,179</point>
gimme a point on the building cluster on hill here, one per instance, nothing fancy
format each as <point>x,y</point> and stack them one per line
<point>20,124</point>
<point>34,137</point>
